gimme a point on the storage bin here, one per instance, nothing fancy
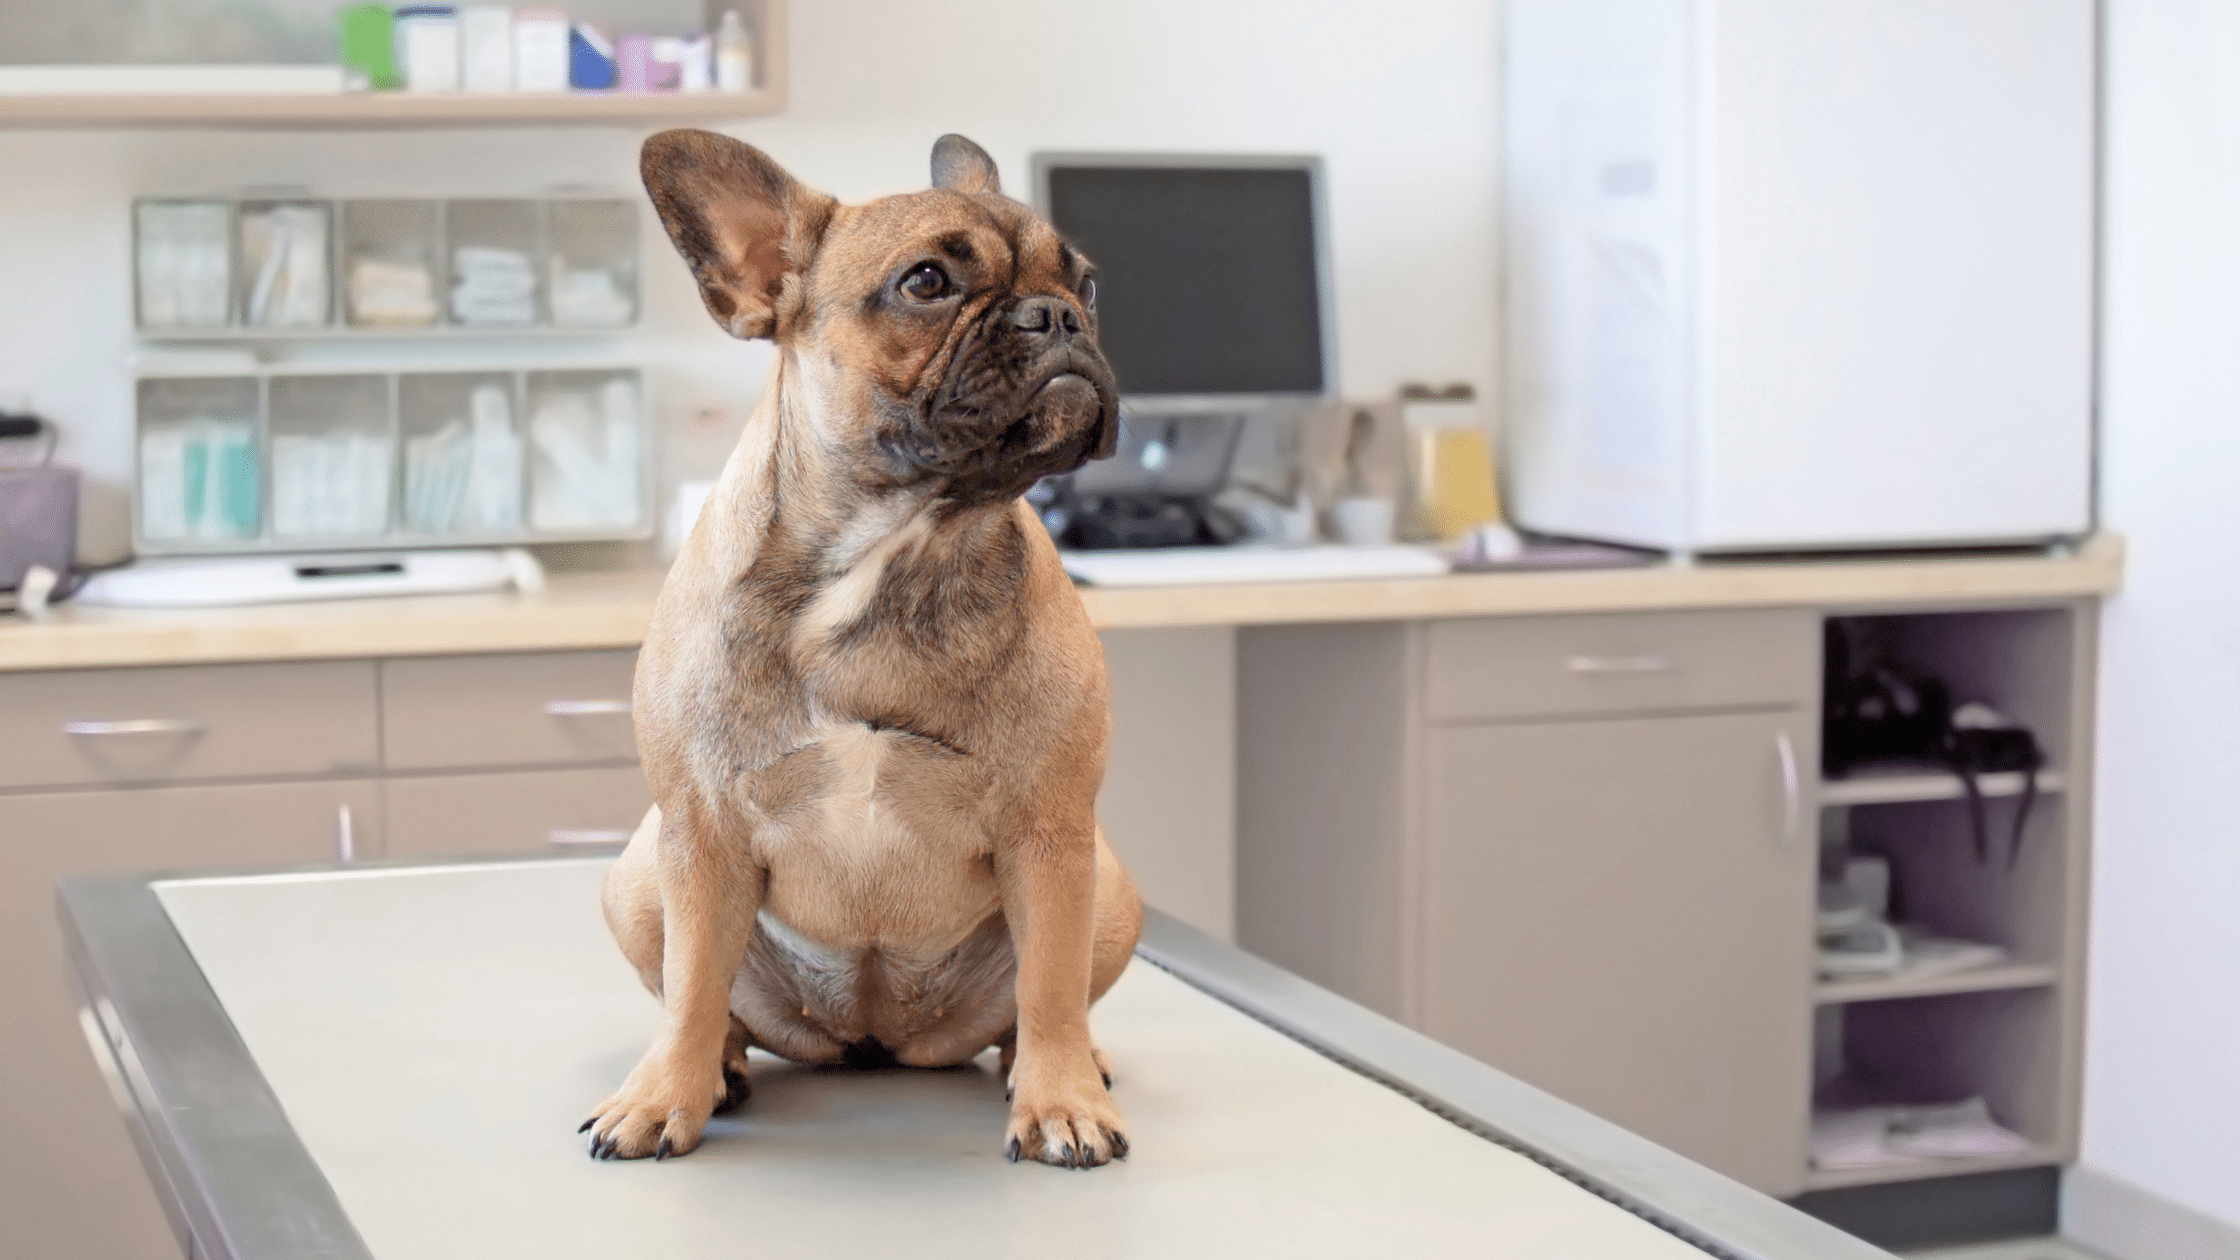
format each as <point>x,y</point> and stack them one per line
<point>591,251</point>
<point>493,247</point>
<point>392,263</point>
<point>331,452</point>
<point>461,454</point>
<point>285,249</point>
<point>200,476</point>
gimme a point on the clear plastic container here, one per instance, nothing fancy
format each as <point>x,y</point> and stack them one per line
<point>183,263</point>
<point>493,247</point>
<point>461,454</point>
<point>285,251</point>
<point>200,478</point>
<point>586,451</point>
<point>591,256</point>
<point>392,264</point>
<point>331,456</point>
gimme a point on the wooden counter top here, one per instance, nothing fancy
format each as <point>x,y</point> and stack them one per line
<point>601,610</point>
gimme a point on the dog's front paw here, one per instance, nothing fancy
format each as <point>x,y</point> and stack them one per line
<point>1069,1121</point>
<point>660,1111</point>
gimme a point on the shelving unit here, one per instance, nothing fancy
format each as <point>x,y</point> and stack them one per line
<point>1978,980</point>
<point>2038,1155</point>
<point>1898,785</point>
<point>766,18</point>
<point>2007,1032</point>
<point>395,109</point>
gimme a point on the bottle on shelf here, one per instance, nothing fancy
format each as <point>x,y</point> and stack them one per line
<point>734,54</point>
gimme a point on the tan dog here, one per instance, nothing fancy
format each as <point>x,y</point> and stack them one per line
<point>870,706</point>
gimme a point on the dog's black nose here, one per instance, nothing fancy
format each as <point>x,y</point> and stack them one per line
<point>1045,315</point>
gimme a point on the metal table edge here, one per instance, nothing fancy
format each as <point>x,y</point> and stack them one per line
<point>1715,1213</point>
<point>243,1185</point>
<point>238,1181</point>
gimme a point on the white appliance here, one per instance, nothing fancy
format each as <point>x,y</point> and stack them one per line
<point>1800,275</point>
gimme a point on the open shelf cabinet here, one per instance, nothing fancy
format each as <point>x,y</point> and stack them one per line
<point>2007,1031</point>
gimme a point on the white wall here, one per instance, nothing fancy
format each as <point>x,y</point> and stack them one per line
<point>2162,1095</point>
<point>1398,97</point>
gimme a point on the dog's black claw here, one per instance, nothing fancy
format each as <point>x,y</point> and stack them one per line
<point>1107,1079</point>
<point>1066,1155</point>
<point>662,1151</point>
<point>1011,1150</point>
<point>1119,1146</point>
<point>608,1147</point>
<point>585,1127</point>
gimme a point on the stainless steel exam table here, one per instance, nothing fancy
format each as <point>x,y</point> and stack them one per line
<point>390,1061</point>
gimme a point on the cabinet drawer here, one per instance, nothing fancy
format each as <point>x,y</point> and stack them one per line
<point>526,709</point>
<point>1525,667</point>
<point>586,809</point>
<point>194,722</point>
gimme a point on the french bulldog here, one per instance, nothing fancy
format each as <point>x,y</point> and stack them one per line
<point>870,706</point>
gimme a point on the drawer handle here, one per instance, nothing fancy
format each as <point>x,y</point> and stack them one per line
<point>1792,786</point>
<point>139,726</point>
<point>1623,664</point>
<point>585,708</point>
<point>563,836</point>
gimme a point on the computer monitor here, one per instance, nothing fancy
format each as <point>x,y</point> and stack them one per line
<point>1212,288</point>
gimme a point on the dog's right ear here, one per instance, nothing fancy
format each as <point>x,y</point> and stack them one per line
<point>747,229</point>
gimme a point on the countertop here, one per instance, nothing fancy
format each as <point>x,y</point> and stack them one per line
<point>610,609</point>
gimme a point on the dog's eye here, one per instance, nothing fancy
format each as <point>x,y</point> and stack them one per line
<point>925,283</point>
<point>1088,293</point>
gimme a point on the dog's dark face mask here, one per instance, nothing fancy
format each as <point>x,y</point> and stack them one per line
<point>951,334</point>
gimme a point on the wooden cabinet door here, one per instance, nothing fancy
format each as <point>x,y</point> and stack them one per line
<point>1620,912</point>
<point>71,1185</point>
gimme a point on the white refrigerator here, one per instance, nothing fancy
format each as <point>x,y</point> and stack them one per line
<point>1800,274</point>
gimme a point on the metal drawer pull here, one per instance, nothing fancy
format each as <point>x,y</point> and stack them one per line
<point>345,836</point>
<point>585,708</point>
<point>562,836</point>
<point>139,726</point>
<point>1623,664</point>
<point>1792,787</point>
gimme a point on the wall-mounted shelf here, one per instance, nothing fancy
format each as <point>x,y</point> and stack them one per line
<point>2038,1155</point>
<point>766,19</point>
<point>393,109</point>
<point>1900,784</point>
<point>1978,980</point>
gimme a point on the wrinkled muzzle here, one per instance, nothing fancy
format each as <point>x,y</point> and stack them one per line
<point>1028,395</point>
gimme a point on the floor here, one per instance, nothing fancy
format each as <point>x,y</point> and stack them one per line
<point>2029,1249</point>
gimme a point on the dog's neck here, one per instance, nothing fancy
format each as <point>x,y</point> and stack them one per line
<point>837,534</point>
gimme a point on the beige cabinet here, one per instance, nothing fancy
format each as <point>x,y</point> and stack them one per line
<point>1618,912</point>
<point>1577,847</point>
<point>299,762</point>
<point>586,809</point>
<point>71,1186</point>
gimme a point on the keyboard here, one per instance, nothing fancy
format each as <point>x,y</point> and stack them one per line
<point>1209,566</point>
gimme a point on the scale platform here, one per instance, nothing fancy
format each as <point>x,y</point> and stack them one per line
<point>390,1061</point>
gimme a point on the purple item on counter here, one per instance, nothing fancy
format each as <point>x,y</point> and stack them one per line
<point>634,60</point>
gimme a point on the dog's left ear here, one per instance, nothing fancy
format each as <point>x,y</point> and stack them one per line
<point>748,229</point>
<point>964,166</point>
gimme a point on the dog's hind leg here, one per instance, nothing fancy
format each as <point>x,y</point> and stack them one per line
<point>632,901</point>
<point>735,1084</point>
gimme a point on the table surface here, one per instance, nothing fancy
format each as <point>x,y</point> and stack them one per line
<point>434,1057</point>
<point>421,1041</point>
<point>611,609</point>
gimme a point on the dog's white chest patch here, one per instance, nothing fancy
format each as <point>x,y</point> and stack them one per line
<point>846,598</point>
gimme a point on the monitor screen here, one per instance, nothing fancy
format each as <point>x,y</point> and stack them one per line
<point>1207,276</point>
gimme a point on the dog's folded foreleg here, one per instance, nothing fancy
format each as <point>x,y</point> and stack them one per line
<point>1060,1110</point>
<point>710,893</point>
